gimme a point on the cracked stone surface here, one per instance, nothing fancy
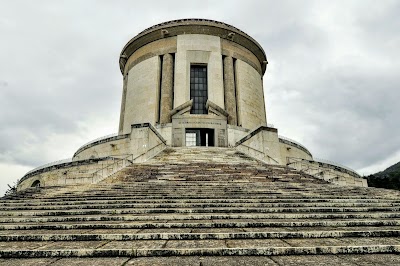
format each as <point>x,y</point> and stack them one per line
<point>138,244</point>
<point>213,212</point>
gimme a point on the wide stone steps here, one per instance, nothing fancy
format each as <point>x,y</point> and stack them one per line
<point>93,206</point>
<point>201,217</point>
<point>77,203</point>
<point>332,233</point>
<point>199,203</point>
<point>273,211</point>
<point>184,249</point>
<point>200,223</point>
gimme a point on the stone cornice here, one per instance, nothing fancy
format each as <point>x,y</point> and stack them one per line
<point>192,26</point>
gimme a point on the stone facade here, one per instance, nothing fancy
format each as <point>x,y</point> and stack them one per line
<point>166,101</point>
<point>235,65</point>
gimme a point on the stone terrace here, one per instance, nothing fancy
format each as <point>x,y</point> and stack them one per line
<point>202,206</point>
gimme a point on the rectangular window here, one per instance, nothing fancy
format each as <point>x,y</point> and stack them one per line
<point>198,89</point>
<point>190,139</point>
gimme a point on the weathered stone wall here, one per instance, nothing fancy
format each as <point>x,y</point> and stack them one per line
<point>156,48</point>
<point>198,49</point>
<point>165,131</point>
<point>234,50</point>
<point>288,150</point>
<point>250,96</point>
<point>263,144</point>
<point>329,172</point>
<point>143,143</point>
<point>235,134</point>
<point>141,139</point>
<point>142,95</point>
<point>180,123</point>
<point>175,28</point>
<point>73,173</point>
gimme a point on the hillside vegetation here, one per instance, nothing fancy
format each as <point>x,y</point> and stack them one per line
<point>389,178</point>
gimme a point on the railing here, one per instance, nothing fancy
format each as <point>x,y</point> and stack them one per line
<point>111,169</point>
<point>118,165</point>
<point>334,163</point>
<point>324,165</point>
<point>259,152</point>
<point>68,160</point>
<point>99,138</point>
<point>88,144</point>
<point>306,167</point>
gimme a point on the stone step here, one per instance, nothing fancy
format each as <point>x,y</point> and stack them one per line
<point>105,202</point>
<point>224,223</point>
<point>328,260</point>
<point>230,214</point>
<point>207,230</point>
<point>297,211</point>
<point>186,248</point>
<point>102,206</point>
<point>114,195</point>
<point>200,236</point>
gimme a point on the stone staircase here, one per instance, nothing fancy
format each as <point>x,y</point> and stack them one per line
<point>202,206</point>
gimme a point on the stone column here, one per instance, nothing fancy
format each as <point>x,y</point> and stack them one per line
<point>230,95</point>
<point>166,88</point>
<point>123,102</point>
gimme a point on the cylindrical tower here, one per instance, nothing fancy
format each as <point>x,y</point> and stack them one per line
<point>197,81</point>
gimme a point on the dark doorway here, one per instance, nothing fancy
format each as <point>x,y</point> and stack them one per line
<point>36,184</point>
<point>199,137</point>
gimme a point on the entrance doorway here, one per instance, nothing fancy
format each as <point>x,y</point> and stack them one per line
<point>199,137</point>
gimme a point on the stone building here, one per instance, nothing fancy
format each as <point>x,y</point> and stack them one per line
<point>190,82</point>
<point>149,196</point>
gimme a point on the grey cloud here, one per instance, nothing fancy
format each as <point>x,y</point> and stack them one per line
<point>331,83</point>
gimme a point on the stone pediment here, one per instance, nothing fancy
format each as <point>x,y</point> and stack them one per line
<point>182,109</point>
<point>213,109</point>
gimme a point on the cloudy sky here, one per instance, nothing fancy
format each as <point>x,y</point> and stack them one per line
<point>332,81</point>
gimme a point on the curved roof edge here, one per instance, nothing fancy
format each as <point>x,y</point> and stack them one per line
<point>191,26</point>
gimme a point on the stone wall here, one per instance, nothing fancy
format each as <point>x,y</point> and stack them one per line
<point>65,174</point>
<point>235,134</point>
<point>198,49</point>
<point>262,144</point>
<point>290,149</point>
<point>142,94</point>
<point>143,143</point>
<point>141,138</point>
<point>329,172</point>
<point>250,96</point>
<point>180,123</point>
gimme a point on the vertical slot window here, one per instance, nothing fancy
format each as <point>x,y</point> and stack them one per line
<point>198,89</point>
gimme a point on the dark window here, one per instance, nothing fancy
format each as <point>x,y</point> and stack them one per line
<point>198,89</point>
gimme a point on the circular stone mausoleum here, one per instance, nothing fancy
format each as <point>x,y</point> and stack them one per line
<point>189,82</point>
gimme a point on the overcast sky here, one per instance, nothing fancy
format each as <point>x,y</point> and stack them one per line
<point>332,81</point>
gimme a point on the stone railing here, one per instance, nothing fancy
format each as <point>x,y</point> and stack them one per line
<point>110,169</point>
<point>250,151</point>
<point>100,140</point>
<point>337,165</point>
<point>293,143</point>
<point>321,164</point>
<point>60,164</point>
<point>49,165</point>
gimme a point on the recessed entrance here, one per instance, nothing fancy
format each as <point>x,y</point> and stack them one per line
<point>36,184</point>
<point>199,137</point>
